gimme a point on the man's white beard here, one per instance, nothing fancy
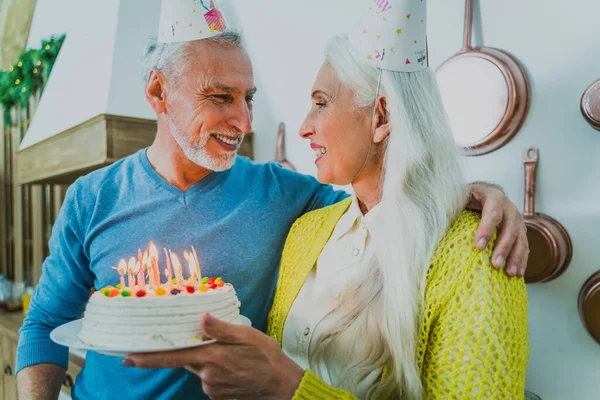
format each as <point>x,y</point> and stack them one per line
<point>197,154</point>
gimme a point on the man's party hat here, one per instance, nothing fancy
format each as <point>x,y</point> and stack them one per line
<point>188,20</point>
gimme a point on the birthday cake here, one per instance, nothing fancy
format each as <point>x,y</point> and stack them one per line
<point>145,313</point>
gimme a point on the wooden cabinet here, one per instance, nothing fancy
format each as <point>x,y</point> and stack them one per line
<point>8,351</point>
<point>9,339</point>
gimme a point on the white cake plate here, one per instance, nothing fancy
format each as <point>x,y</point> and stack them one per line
<point>66,335</point>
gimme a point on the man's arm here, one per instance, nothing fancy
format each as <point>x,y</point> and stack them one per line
<point>498,212</point>
<point>59,297</point>
<point>42,381</point>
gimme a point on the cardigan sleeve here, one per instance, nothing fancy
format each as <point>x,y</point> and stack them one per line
<point>478,346</point>
<point>314,388</point>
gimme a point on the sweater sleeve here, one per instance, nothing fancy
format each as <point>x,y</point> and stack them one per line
<point>314,388</point>
<point>478,343</point>
<point>62,292</point>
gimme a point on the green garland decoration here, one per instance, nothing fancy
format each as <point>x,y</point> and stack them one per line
<point>27,75</point>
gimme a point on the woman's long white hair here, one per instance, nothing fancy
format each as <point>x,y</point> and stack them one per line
<point>422,192</point>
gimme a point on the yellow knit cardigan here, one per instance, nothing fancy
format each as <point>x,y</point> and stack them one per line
<point>473,340</point>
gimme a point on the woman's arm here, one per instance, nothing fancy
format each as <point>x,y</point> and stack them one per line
<point>314,388</point>
<point>478,344</point>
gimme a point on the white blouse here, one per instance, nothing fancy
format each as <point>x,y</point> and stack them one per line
<point>346,252</point>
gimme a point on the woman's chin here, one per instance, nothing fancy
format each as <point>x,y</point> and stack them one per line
<point>324,177</point>
<point>331,179</point>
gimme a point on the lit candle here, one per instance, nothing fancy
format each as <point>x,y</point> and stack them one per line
<point>153,251</point>
<point>122,270</point>
<point>148,268</point>
<point>131,272</point>
<point>141,278</point>
<point>178,270</point>
<point>191,267</point>
<point>169,271</point>
<point>199,274</point>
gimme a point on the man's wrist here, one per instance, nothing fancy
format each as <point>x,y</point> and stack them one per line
<point>292,381</point>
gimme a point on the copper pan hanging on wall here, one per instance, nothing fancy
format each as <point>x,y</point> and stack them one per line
<point>549,243</point>
<point>485,92</point>
<point>590,105</point>
<point>589,305</point>
<point>280,151</point>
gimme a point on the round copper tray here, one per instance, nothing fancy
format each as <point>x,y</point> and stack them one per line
<point>589,305</point>
<point>590,105</point>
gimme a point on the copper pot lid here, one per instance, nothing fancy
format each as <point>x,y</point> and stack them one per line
<point>589,305</point>
<point>590,105</point>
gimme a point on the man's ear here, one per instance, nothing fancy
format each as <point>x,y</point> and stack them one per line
<point>382,120</point>
<point>155,92</point>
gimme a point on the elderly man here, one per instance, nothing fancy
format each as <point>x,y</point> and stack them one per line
<point>188,188</point>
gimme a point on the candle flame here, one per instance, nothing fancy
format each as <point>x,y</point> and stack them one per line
<point>191,263</point>
<point>131,265</point>
<point>153,251</point>
<point>176,263</point>
<point>199,273</point>
<point>145,260</point>
<point>122,268</point>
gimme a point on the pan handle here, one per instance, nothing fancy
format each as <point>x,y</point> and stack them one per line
<point>468,37</point>
<point>280,151</point>
<point>531,161</point>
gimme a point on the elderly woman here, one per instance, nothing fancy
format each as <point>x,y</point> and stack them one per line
<point>381,296</point>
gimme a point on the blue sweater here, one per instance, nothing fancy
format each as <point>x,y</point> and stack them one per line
<point>237,220</point>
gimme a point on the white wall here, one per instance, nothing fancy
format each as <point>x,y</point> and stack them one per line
<point>98,68</point>
<point>78,86</point>
<point>138,21</point>
<point>558,44</point>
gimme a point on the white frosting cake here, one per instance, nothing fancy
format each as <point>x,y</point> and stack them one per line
<point>153,320</point>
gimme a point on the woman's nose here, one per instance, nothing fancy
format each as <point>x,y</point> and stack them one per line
<point>306,129</point>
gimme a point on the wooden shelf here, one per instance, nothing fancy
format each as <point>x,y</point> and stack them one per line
<point>93,144</point>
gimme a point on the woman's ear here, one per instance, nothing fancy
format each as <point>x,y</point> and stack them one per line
<point>155,92</point>
<point>382,120</point>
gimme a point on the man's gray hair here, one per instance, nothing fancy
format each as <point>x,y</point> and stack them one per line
<point>173,58</point>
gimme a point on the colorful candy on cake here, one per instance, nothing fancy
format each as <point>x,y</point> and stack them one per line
<point>144,313</point>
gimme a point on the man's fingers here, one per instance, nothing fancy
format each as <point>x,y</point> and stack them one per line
<point>216,385</point>
<point>491,217</point>
<point>503,248</point>
<point>169,359</point>
<point>222,331</point>
<point>519,255</point>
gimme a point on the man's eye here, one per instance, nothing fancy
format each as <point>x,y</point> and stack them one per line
<point>223,97</point>
<point>249,99</point>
